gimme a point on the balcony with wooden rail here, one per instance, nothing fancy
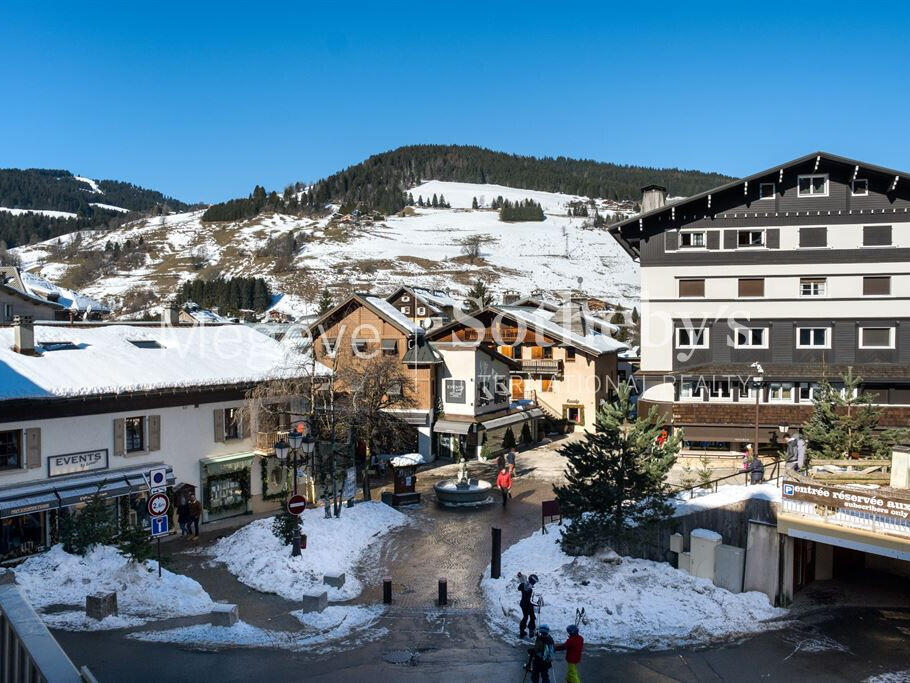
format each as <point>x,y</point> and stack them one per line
<point>265,441</point>
<point>541,366</point>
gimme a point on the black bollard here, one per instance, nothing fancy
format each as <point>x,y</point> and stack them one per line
<point>387,591</point>
<point>443,592</point>
<point>496,560</point>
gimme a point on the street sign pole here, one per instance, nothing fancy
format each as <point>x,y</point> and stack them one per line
<point>159,557</point>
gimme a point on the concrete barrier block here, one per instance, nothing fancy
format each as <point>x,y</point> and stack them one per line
<point>224,615</point>
<point>684,562</point>
<point>702,548</point>
<point>729,565</point>
<point>100,605</point>
<point>7,576</point>
<point>314,602</point>
<point>334,580</point>
<point>676,543</point>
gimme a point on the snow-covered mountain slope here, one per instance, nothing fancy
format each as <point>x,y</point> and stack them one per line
<point>420,246</point>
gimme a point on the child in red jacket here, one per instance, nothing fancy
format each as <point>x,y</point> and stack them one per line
<point>504,483</point>
<point>573,646</point>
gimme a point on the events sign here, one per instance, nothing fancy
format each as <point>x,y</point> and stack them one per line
<point>76,463</point>
<point>455,391</point>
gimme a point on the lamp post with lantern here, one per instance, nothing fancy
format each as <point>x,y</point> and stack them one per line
<point>297,443</point>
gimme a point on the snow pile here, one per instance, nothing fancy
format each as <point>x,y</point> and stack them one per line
<point>56,578</point>
<point>406,460</point>
<point>257,558</point>
<point>726,495</point>
<point>353,625</point>
<point>629,604</point>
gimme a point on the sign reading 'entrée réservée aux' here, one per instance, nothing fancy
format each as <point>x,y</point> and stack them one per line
<point>874,501</point>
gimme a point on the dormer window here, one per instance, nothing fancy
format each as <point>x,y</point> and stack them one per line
<point>405,298</point>
<point>812,186</point>
<point>766,191</point>
<point>860,187</point>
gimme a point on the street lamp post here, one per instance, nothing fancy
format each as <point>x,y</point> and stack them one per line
<point>296,443</point>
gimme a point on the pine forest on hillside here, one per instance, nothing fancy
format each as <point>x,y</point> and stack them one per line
<point>381,182</point>
<point>230,295</point>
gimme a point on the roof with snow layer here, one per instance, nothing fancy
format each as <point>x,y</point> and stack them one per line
<point>85,361</point>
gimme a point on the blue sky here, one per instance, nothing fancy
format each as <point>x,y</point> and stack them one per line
<point>202,101</point>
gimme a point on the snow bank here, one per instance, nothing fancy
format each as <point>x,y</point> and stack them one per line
<point>57,578</point>
<point>629,605</point>
<point>355,625</point>
<point>726,495</point>
<point>257,558</point>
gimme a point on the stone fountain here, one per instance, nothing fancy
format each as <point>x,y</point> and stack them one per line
<point>463,491</point>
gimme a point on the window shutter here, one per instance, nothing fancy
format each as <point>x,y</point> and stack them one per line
<point>877,286</point>
<point>671,240</point>
<point>119,436</point>
<point>712,239</point>
<point>752,286</point>
<point>772,238</point>
<point>33,447</point>
<point>813,237</point>
<point>154,432</point>
<point>692,288</point>
<point>872,336</point>
<point>877,236</point>
<point>729,239</point>
<point>219,425</point>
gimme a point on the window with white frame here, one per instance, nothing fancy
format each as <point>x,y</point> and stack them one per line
<point>406,298</point>
<point>780,392</point>
<point>722,390</point>
<point>859,187</point>
<point>691,390</point>
<point>813,337</point>
<point>421,310</point>
<point>812,185</point>
<point>876,337</point>
<point>808,392</point>
<point>746,390</point>
<point>813,286</point>
<point>751,338</point>
<point>405,309</point>
<point>690,240</point>
<point>691,338</point>
<point>750,238</point>
<point>766,191</point>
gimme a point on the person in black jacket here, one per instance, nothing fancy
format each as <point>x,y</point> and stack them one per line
<point>528,620</point>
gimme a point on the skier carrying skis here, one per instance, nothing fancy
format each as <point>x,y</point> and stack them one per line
<point>541,655</point>
<point>528,620</point>
<point>573,647</point>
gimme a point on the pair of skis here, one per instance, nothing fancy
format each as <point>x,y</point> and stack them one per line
<point>580,618</point>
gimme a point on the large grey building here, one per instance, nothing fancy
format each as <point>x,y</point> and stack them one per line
<point>802,269</point>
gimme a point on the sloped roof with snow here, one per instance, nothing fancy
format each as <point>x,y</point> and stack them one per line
<point>103,359</point>
<point>593,341</point>
<point>73,301</point>
<point>393,314</point>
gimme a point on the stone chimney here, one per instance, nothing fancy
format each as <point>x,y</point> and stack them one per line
<point>653,197</point>
<point>24,335</point>
<point>510,296</point>
<point>170,315</point>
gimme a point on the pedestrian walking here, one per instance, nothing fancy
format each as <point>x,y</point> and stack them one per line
<point>541,655</point>
<point>510,461</point>
<point>183,517</point>
<point>528,620</point>
<point>195,515</point>
<point>573,646</point>
<point>500,461</point>
<point>792,454</point>
<point>757,469</point>
<point>800,452</point>
<point>504,483</point>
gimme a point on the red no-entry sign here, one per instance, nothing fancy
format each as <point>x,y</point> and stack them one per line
<point>296,504</point>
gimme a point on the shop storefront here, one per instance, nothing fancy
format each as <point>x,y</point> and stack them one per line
<point>226,483</point>
<point>30,513</point>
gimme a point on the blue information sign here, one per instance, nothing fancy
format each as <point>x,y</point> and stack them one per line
<point>160,526</point>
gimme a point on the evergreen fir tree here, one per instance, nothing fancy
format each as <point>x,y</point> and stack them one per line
<point>508,439</point>
<point>474,204</point>
<point>92,525</point>
<point>616,478</point>
<point>435,202</point>
<point>479,296</point>
<point>284,525</point>
<point>845,423</point>
<point>525,434</point>
<point>134,541</point>
<point>325,301</point>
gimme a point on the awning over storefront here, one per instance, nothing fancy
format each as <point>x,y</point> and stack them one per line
<point>64,491</point>
<point>720,433</point>
<point>452,427</point>
<point>418,418</point>
<point>230,457</point>
<point>522,416</point>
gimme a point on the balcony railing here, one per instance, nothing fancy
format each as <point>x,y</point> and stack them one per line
<point>28,651</point>
<point>542,366</point>
<point>265,441</point>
